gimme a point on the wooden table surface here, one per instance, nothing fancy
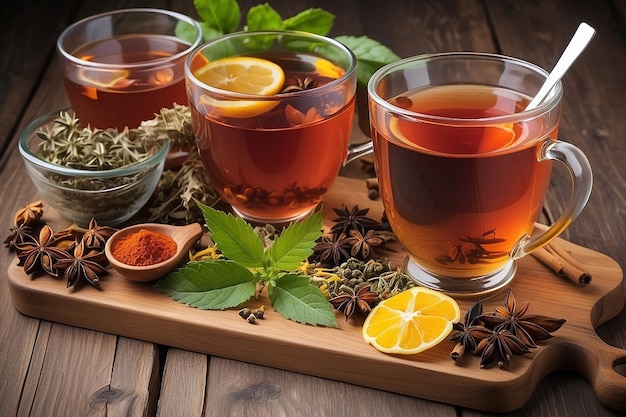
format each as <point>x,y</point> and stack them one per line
<point>51,369</point>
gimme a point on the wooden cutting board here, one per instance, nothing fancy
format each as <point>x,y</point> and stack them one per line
<point>138,311</point>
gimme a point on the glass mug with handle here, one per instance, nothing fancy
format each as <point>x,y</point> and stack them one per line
<point>272,112</point>
<point>463,168</point>
<point>123,66</point>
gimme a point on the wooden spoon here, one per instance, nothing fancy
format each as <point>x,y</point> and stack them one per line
<point>184,236</point>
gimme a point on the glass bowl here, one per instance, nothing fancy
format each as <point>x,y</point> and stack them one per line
<point>109,196</point>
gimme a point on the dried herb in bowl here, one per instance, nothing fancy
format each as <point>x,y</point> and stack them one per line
<point>87,173</point>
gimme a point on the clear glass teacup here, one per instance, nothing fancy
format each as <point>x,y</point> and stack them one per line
<point>463,168</point>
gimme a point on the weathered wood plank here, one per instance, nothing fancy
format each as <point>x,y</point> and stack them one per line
<point>27,46</point>
<point>183,386</point>
<point>76,368</point>
<point>242,389</point>
<point>135,380</point>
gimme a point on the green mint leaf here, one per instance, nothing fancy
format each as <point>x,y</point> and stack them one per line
<point>234,237</point>
<point>314,20</point>
<point>371,55</point>
<point>185,31</point>
<point>209,285</point>
<point>220,15</point>
<point>209,32</point>
<point>296,242</point>
<point>295,298</point>
<point>263,17</point>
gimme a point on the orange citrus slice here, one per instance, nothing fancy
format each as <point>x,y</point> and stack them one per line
<point>103,78</point>
<point>325,68</point>
<point>246,75</point>
<point>411,321</point>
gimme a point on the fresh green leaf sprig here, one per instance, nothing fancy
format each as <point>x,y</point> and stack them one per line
<point>220,17</point>
<point>230,281</point>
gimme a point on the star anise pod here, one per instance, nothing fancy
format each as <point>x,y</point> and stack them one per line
<point>81,265</point>
<point>300,85</point>
<point>332,249</point>
<point>96,236</point>
<point>353,219</point>
<point>363,244</point>
<point>527,328</point>
<point>19,234</point>
<point>499,347</point>
<point>349,302</point>
<point>29,214</point>
<point>43,253</point>
<point>469,332</point>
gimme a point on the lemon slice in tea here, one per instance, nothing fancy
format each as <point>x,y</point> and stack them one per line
<point>246,75</point>
<point>411,321</point>
<point>104,78</point>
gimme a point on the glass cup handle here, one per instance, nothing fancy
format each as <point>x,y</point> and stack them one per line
<point>580,171</point>
<point>359,150</point>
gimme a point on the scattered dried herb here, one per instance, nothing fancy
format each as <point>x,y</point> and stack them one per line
<point>174,200</point>
<point>372,280</point>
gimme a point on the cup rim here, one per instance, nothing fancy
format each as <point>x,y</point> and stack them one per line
<point>350,72</point>
<point>547,105</point>
<point>179,16</point>
<point>28,154</point>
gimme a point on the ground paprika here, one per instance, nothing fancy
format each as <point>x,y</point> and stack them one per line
<point>143,247</point>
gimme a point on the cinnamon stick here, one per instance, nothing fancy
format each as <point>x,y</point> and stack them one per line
<point>557,259</point>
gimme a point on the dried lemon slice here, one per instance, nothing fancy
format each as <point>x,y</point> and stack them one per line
<point>411,321</point>
<point>246,75</point>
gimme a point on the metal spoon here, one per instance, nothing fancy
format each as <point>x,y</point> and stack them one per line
<point>576,46</point>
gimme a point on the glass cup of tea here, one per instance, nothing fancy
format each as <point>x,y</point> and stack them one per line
<point>463,167</point>
<point>122,67</point>
<point>272,113</point>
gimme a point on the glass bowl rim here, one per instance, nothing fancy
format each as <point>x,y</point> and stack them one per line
<point>28,155</point>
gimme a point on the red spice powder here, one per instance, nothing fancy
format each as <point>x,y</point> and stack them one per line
<point>143,248</point>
